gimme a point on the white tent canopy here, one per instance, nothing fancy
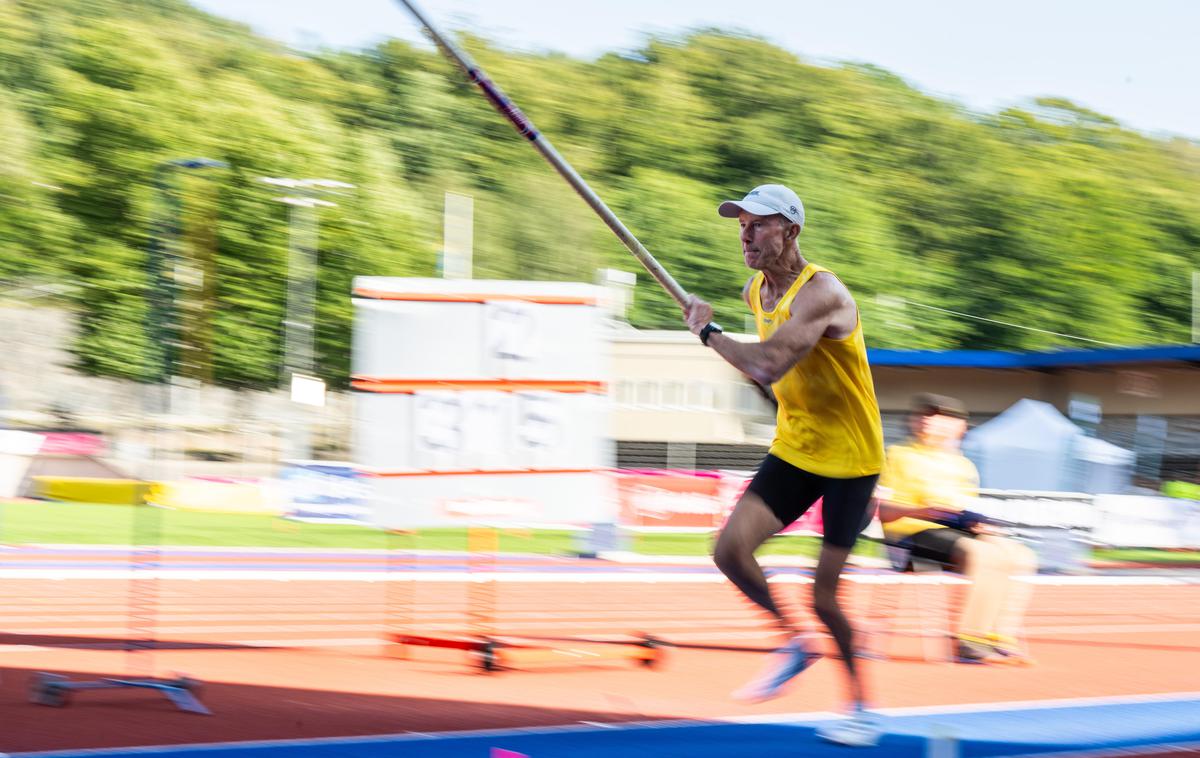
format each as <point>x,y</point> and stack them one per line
<point>1031,446</point>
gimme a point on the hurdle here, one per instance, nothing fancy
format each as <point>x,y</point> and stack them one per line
<point>487,650</point>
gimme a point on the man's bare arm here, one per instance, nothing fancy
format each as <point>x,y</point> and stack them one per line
<point>814,309</point>
<point>764,390</point>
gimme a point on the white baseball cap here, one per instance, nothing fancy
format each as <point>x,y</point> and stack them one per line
<point>766,200</point>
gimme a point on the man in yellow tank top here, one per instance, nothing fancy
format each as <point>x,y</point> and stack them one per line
<point>828,435</point>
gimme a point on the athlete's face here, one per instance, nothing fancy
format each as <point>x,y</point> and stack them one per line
<point>938,430</point>
<point>764,238</point>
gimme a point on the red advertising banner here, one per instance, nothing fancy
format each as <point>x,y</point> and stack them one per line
<point>71,443</point>
<point>688,500</point>
<point>670,500</point>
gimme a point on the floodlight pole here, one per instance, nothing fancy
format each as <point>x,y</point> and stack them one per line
<point>299,342</point>
<point>163,263</point>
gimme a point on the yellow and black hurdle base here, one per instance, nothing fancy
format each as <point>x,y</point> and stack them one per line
<point>490,654</point>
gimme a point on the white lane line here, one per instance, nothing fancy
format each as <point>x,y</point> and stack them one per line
<point>546,576</point>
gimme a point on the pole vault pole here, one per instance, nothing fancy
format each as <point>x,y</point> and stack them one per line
<point>527,130</point>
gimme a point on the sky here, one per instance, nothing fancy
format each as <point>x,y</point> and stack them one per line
<point>1135,61</point>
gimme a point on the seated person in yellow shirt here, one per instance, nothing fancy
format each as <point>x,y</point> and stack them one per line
<point>924,497</point>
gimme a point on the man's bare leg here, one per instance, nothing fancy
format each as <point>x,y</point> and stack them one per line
<point>983,563</point>
<point>862,728</point>
<point>827,607</point>
<point>750,525</point>
<point>1021,562</point>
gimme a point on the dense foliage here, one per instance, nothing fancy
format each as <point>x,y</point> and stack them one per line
<point>1050,216</point>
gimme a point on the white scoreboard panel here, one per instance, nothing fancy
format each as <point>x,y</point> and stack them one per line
<point>482,401</point>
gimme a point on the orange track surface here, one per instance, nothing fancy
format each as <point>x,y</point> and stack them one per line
<point>1088,640</point>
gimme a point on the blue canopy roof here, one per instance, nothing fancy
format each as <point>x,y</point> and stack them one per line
<point>1036,360</point>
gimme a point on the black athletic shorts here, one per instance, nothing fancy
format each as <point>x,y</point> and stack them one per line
<point>934,544</point>
<point>790,491</point>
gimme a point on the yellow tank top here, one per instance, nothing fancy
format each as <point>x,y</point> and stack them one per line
<point>828,420</point>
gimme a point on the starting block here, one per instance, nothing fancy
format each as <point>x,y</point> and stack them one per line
<point>496,654</point>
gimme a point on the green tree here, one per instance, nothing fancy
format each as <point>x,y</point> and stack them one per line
<point>1048,215</point>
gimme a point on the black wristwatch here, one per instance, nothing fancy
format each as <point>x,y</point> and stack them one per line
<point>708,330</point>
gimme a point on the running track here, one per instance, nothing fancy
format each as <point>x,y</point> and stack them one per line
<point>289,646</point>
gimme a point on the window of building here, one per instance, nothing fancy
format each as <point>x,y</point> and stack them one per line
<point>625,392</point>
<point>647,393</point>
<point>673,394</point>
<point>701,395</point>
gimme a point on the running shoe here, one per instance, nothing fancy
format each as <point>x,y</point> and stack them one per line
<point>968,649</point>
<point>862,729</point>
<point>783,665</point>
<point>1010,650</point>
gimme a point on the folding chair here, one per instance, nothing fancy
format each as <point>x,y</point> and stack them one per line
<point>923,591</point>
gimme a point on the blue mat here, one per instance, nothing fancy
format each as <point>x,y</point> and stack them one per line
<point>1020,731</point>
